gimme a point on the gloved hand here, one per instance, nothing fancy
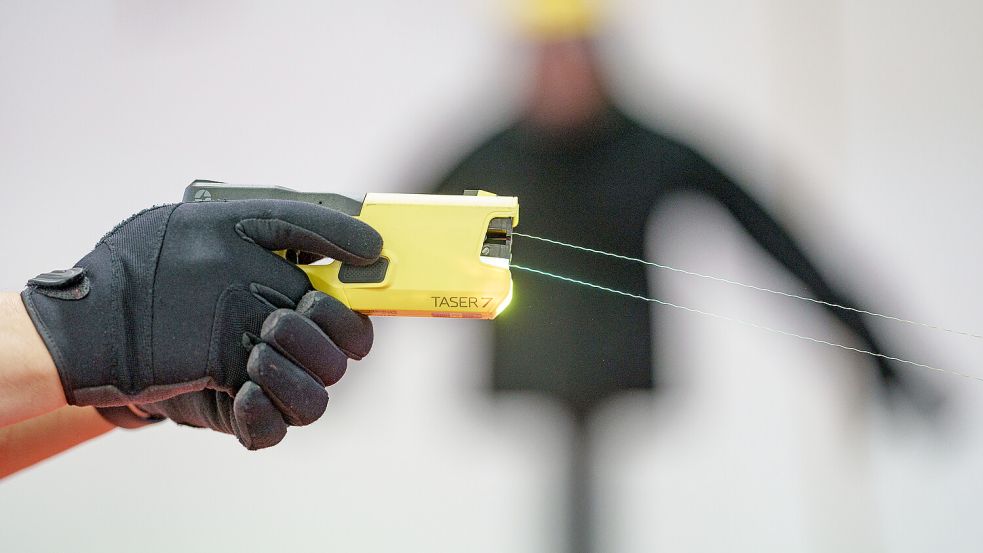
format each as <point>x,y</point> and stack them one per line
<point>183,311</point>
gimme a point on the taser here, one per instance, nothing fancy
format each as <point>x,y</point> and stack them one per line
<point>442,256</point>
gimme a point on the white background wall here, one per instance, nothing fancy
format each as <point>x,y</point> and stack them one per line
<point>861,123</point>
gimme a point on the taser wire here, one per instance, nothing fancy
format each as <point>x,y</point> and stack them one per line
<point>752,287</point>
<point>738,320</point>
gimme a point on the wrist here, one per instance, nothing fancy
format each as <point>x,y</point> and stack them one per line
<point>29,382</point>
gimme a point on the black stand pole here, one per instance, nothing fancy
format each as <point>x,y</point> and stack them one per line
<point>580,487</point>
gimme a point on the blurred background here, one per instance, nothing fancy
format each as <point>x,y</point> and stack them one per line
<point>858,125</point>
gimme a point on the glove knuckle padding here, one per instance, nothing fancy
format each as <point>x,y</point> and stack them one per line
<point>238,312</point>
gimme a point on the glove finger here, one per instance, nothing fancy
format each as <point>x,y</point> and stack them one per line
<point>271,297</point>
<point>291,225</point>
<point>350,331</point>
<point>256,421</point>
<point>300,340</point>
<point>301,399</point>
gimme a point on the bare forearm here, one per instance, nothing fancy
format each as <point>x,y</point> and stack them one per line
<point>31,441</point>
<point>29,383</point>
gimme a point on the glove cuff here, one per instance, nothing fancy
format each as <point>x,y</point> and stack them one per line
<point>49,342</point>
<point>79,321</point>
<point>96,318</point>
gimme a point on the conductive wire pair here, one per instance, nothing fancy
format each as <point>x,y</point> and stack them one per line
<point>743,321</point>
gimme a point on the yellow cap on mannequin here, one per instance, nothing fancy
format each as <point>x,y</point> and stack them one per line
<point>557,19</point>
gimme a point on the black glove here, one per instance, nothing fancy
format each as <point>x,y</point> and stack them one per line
<point>184,311</point>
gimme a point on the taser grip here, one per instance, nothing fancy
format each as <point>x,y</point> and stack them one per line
<point>442,256</point>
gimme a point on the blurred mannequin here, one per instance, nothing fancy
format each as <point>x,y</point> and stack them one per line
<point>587,174</point>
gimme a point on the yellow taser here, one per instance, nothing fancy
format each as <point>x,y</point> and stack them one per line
<point>442,256</point>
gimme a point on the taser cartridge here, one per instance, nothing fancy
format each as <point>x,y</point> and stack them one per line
<point>442,256</point>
